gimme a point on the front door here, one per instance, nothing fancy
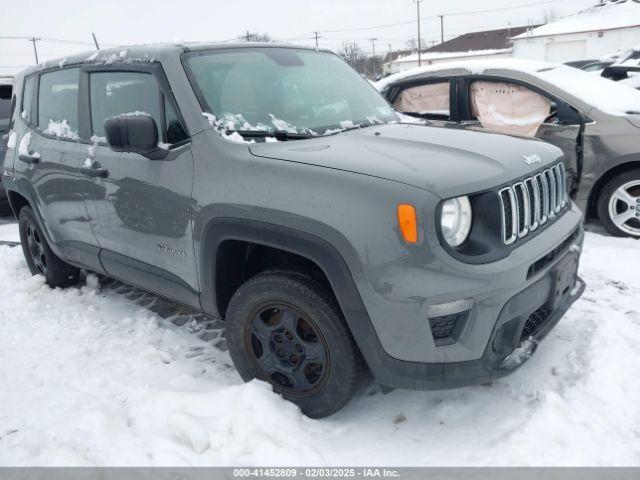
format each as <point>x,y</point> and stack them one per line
<point>141,208</point>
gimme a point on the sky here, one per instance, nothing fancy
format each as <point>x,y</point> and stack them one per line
<point>126,22</point>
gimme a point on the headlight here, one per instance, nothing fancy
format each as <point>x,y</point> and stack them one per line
<point>455,220</point>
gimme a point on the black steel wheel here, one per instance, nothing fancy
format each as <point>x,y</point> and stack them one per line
<point>39,256</point>
<point>285,328</point>
<point>288,347</point>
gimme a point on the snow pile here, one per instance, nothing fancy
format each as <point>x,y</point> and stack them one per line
<point>13,140</point>
<point>90,378</point>
<point>605,16</point>
<point>25,143</point>
<point>61,129</point>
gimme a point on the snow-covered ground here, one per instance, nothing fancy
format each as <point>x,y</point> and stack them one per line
<point>88,377</point>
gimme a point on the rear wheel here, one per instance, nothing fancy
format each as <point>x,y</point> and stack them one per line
<point>39,256</point>
<point>619,204</point>
<point>285,328</point>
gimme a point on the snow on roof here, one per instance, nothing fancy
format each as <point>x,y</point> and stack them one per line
<point>633,82</point>
<point>426,56</point>
<point>603,94</point>
<point>473,66</point>
<point>606,16</point>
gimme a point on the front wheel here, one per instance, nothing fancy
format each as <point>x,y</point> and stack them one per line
<point>286,329</point>
<point>619,204</point>
<point>39,256</point>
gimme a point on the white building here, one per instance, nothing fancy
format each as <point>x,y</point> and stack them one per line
<point>609,27</point>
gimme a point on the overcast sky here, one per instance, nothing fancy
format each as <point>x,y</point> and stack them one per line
<point>125,22</point>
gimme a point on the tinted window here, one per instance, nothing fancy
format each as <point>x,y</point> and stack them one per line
<point>5,107</point>
<point>118,93</point>
<point>58,103</point>
<point>27,97</point>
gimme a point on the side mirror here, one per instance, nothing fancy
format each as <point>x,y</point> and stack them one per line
<point>134,133</point>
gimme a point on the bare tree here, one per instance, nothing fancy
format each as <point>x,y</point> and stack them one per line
<point>412,43</point>
<point>255,37</point>
<point>353,54</point>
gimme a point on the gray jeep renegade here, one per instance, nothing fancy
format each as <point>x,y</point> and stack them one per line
<point>274,188</point>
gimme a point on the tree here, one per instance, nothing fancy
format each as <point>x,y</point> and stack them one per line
<point>255,37</point>
<point>353,54</point>
<point>412,43</point>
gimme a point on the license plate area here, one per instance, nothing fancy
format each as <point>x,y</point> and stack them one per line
<point>563,277</point>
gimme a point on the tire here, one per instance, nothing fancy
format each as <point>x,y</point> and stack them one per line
<point>278,311</point>
<point>619,204</point>
<point>39,256</point>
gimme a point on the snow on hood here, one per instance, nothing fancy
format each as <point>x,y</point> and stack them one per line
<point>584,86</point>
<point>606,16</point>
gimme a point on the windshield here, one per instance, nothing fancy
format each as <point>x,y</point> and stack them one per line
<point>286,90</point>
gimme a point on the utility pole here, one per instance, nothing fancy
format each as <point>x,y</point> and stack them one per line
<point>441,28</point>
<point>95,40</point>
<point>418,2</point>
<point>317,35</point>
<point>373,45</point>
<point>35,49</point>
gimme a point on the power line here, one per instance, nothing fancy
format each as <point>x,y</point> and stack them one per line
<point>453,14</point>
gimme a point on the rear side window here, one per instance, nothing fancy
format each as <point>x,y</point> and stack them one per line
<point>5,107</point>
<point>430,100</point>
<point>27,98</point>
<point>58,103</point>
<point>119,93</point>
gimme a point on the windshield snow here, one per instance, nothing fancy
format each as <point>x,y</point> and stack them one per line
<point>285,90</point>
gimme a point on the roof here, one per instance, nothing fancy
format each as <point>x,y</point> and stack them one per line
<point>484,40</point>
<point>148,53</point>
<point>608,15</point>
<point>487,42</point>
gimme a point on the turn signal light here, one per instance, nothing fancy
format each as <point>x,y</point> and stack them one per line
<point>408,222</point>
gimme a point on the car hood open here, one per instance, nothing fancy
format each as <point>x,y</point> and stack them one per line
<point>445,161</point>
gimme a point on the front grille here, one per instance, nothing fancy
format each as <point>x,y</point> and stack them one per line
<point>534,323</point>
<point>533,202</point>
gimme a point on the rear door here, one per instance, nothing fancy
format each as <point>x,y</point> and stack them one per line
<point>50,154</point>
<point>433,99</point>
<point>141,208</point>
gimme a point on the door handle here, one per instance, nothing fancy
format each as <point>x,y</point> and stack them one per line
<point>95,172</point>
<point>30,158</point>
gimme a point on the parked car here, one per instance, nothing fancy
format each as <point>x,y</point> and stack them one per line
<point>6,87</point>
<point>627,66</point>
<point>332,237</point>
<point>580,64</point>
<point>596,66</point>
<point>594,121</point>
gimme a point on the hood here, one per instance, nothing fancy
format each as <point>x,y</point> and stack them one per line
<point>445,161</point>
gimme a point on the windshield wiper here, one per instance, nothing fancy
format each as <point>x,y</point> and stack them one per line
<point>277,134</point>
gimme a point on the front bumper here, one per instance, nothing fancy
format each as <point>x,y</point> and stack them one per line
<point>497,359</point>
<point>506,295</point>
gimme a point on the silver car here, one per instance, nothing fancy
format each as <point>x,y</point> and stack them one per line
<point>596,122</point>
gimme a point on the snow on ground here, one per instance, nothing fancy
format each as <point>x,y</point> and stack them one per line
<point>89,378</point>
<point>9,232</point>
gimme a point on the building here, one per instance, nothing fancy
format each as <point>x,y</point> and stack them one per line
<point>608,27</point>
<point>476,45</point>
